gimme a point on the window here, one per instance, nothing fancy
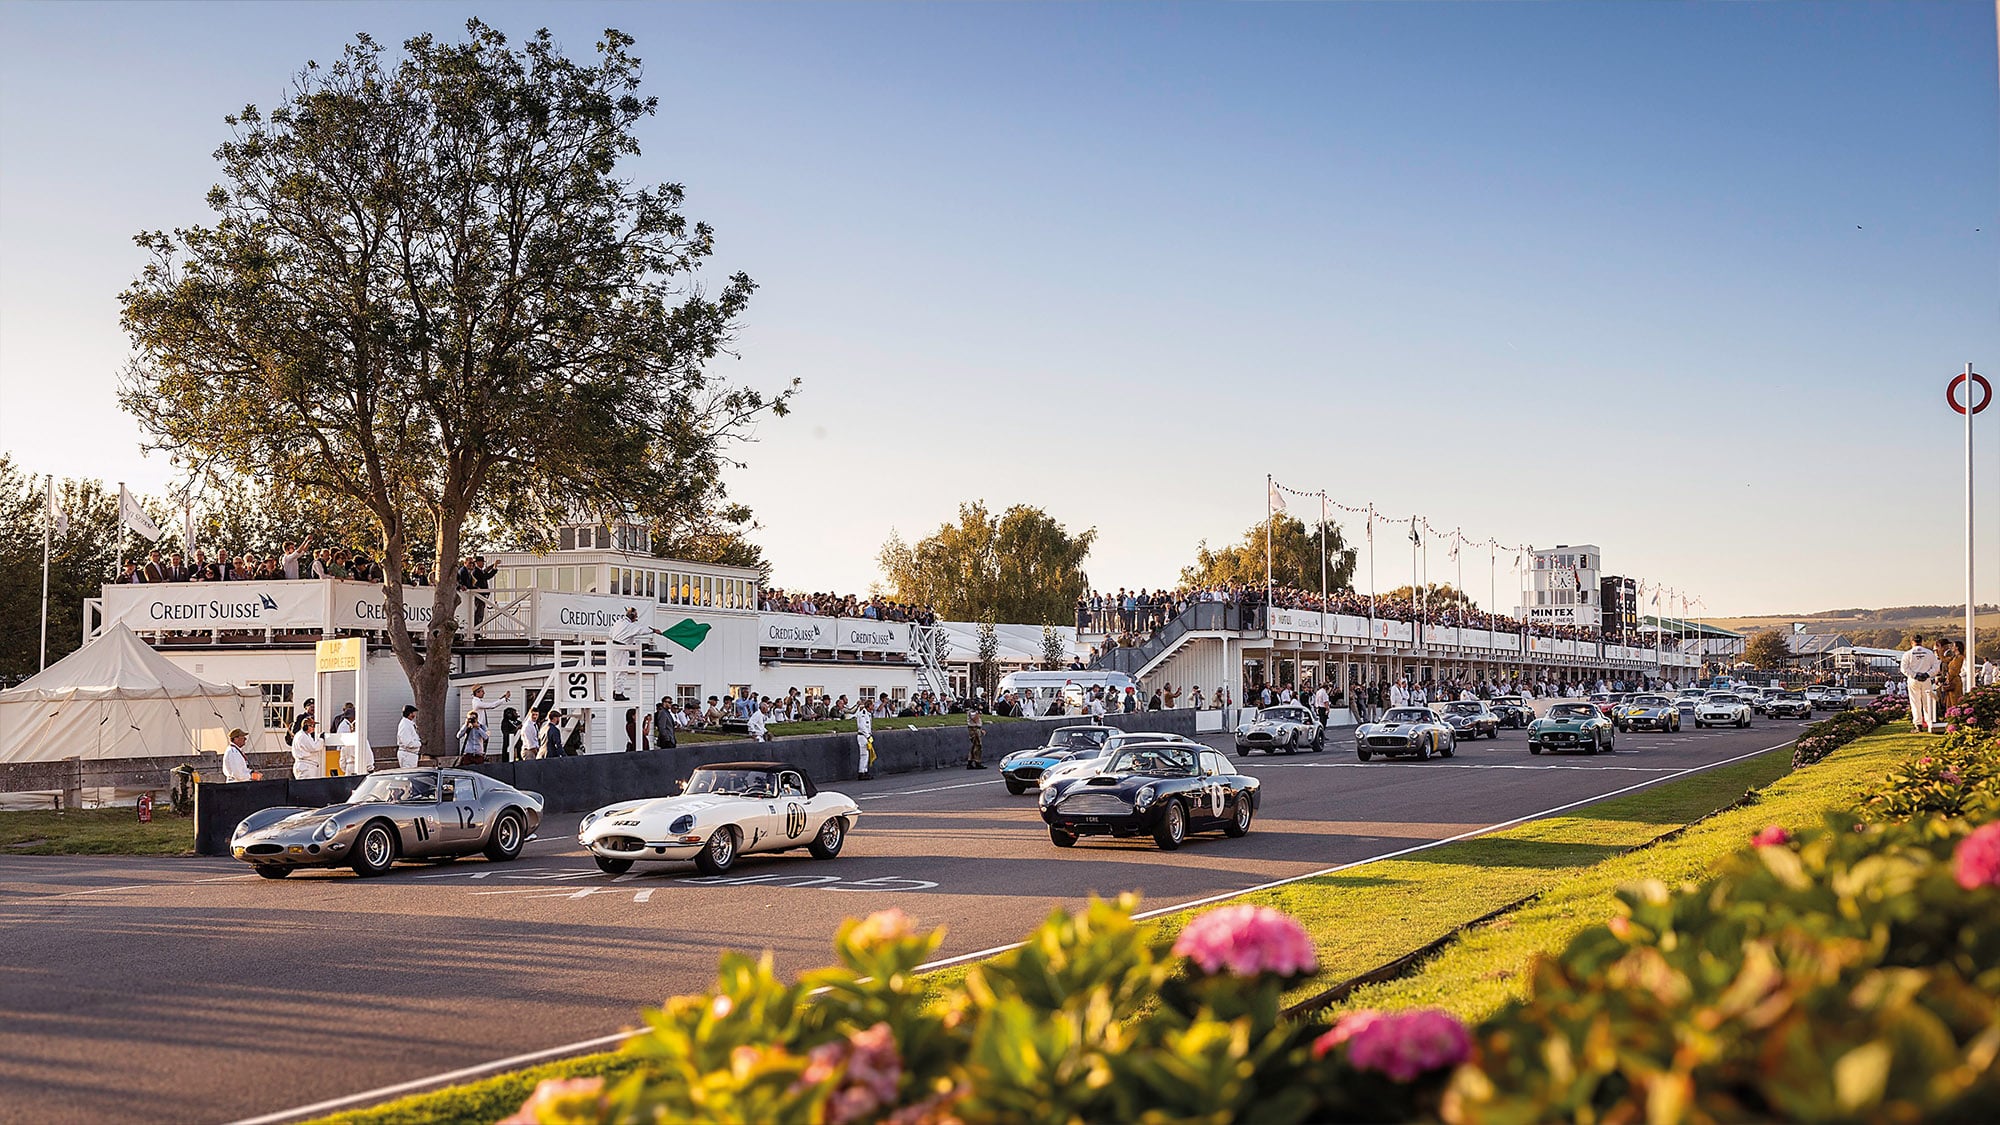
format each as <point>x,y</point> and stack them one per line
<point>865,692</point>
<point>651,577</point>
<point>740,691</point>
<point>545,577</point>
<point>688,695</point>
<point>566,579</point>
<point>277,699</point>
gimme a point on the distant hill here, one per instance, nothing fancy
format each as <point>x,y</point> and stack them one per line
<point>1879,628</point>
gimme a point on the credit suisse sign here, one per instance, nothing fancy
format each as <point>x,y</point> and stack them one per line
<point>853,634</point>
<point>200,606</point>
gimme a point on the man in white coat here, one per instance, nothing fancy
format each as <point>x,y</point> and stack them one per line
<point>356,758</point>
<point>236,767</point>
<point>409,743</point>
<point>864,735</point>
<point>760,724</point>
<point>1920,667</point>
<point>628,630</point>
<point>308,751</point>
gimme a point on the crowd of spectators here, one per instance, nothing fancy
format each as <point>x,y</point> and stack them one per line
<point>772,600</point>
<point>295,561</point>
<point>1129,618</point>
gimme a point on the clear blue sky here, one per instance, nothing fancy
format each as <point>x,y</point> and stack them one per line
<point>1684,281</point>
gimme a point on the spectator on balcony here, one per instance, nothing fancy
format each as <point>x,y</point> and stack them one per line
<point>130,575</point>
<point>156,567</point>
<point>288,563</point>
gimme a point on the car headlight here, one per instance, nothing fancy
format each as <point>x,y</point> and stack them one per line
<point>588,820</point>
<point>682,823</point>
<point>1144,797</point>
<point>1049,795</point>
<point>326,831</point>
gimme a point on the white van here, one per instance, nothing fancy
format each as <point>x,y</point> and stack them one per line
<point>1046,687</point>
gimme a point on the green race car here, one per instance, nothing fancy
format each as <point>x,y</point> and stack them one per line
<point>1572,726</point>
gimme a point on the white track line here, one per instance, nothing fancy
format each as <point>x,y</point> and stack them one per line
<point>480,1069</point>
<point>914,792</point>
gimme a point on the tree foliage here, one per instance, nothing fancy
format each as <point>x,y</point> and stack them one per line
<point>1021,566</point>
<point>80,558</point>
<point>429,295</point>
<point>1434,595</point>
<point>1767,650</point>
<point>1295,558</point>
<point>1055,650</point>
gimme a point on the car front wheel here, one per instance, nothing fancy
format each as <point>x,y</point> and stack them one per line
<point>1172,831</point>
<point>1060,838</point>
<point>831,836</point>
<point>1534,747</point>
<point>719,855</point>
<point>612,866</point>
<point>1015,787</point>
<point>1362,754</point>
<point>375,849</point>
<point>270,872</point>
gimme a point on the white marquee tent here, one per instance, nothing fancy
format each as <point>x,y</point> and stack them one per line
<point>117,698</point>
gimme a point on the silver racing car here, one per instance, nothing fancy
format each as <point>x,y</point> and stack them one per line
<point>392,815</point>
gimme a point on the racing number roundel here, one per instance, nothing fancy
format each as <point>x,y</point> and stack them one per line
<point>795,820</point>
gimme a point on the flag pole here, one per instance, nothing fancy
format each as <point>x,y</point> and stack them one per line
<point>48,516</point>
<point>1270,492</point>
<point>120,572</point>
<point>1322,564</point>
<point>1968,676</point>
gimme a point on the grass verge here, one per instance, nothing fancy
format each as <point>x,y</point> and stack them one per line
<point>1485,967</point>
<point>114,831</point>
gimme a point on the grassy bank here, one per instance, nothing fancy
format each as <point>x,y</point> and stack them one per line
<point>1485,967</point>
<point>114,831</point>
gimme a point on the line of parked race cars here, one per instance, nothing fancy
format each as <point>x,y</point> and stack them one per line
<point>1092,781</point>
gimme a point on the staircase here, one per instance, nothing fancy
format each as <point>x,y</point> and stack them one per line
<point>927,644</point>
<point>1199,617</point>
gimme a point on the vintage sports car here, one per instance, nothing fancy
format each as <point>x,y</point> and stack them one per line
<point>1647,712</point>
<point>1828,698</point>
<point>1721,709</point>
<point>1608,701</point>
<point>1404,730</point>
<point>1022,770</point>
<point>1086,763</point>
<point>1286,727</point>
<point>725,811</point>
<point>392,815</point>
<point>1513,710</point>
<point>1165,789</point>
<point>1788,705</point>
<point>1470,719</point>
<point>1572,726</point>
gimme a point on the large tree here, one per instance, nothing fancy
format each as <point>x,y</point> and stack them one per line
<point>1295,558</point>
<point>430,294</point>
<point>1020,566</point>
<point>1768,650</point>
<point>79,557</point>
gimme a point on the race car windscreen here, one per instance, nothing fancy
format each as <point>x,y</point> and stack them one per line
<point>732,783</point>
<point>395,788</point>
<point>1462,708</point>
<point>1407,715</point>
<point>1572,711</point>
<point>1650,701</point>
<point>1075,739</point>
<point>1165,760</point>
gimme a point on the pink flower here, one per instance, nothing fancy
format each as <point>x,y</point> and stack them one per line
<point>1977,860</point>
<point>1951,775</point>
<point>1772,836</point>
<point>1347,1027</point>
<point>559,1095</point>
<point>872,1071</point>
<point>1246,941</point>
<point>1402,1045</point>
<point>1924,761</point>
<point>882,926</point>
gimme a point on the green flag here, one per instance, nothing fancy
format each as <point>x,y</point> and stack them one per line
<point>688,634</point>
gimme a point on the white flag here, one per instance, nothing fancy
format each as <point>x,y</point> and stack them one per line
<point>1277,498</point>
<point>134,518</point>
<point>187,529</point>
<point>58,519</point>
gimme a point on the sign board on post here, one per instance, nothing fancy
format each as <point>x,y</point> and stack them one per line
<point>343,655</point>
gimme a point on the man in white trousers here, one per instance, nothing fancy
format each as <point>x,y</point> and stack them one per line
<point>409,744</point>
<point>864,733</point>
<point>1920,668</point>
<point>308,751</point>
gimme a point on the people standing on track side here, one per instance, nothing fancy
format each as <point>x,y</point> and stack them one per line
<point>975,731</point>
<point>663,726</point>
<point>1321,702</point>
<point>236,767</point>
<point>1950,679</point>
<point>1920,669</point>
<point>760,723</point>
<point>864,738</point>
<point>472,738</point>
<point>409,744</point>
<point>531,735</point>
<point>308,751</point>
<point>552,735</point>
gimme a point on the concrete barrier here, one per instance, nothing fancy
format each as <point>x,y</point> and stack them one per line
<point>590,781</point>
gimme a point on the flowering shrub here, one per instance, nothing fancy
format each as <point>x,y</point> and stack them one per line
<point>1094,1018</point>
<point>1827,735</point>
<point>1978,711</point>
<point>1848,975</point>
<point>1952,778</point>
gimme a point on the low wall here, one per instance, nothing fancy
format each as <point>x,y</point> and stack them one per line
<point>590,781</point>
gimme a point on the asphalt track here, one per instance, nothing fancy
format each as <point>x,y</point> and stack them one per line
<point>186,990</point>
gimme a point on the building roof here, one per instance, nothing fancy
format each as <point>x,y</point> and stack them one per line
<point>1689,628</point>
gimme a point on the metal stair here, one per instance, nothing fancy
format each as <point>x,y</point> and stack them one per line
<point>1199,617</point>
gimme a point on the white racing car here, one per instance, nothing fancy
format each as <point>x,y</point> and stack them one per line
<point>1091,761</point>
<point>1721,709</point>
<point>725,811</point>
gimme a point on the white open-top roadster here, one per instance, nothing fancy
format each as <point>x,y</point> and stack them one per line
<point>725,811</point>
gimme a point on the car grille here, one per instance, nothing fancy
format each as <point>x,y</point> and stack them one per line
<point>622,843</point>
<point>1388,740</point>
<point>1094,804</point>
<point>264,849</point>
<point>1028,773</point>
<point>1559,738</point>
